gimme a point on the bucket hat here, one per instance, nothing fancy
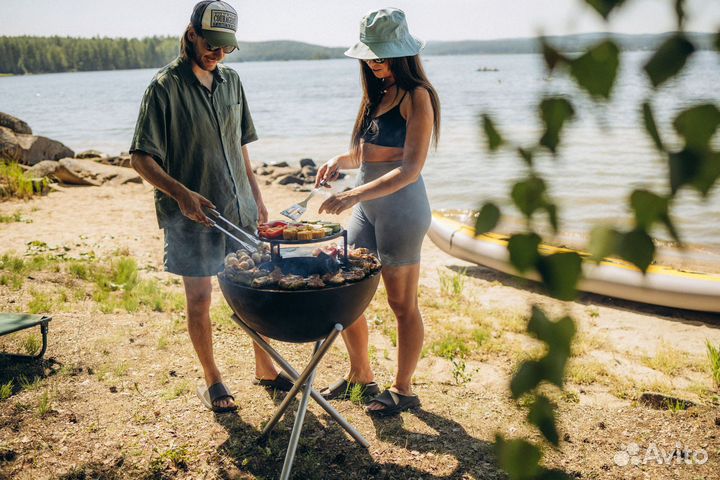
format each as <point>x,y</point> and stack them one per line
<point>217,22</point>
<point>384,34</point>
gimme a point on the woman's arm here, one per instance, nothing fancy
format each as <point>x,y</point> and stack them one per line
<point>417,142</point>
<point>257,195</point>
<point>330,170</point>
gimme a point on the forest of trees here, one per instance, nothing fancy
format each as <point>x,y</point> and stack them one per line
<point>21,55</point>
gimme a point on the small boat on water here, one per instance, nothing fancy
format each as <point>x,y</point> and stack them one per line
<point>662,285</point>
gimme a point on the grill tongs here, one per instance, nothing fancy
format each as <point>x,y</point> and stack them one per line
<point>251,242</point>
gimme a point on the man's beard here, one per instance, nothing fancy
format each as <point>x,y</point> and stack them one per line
<point>199,62</point>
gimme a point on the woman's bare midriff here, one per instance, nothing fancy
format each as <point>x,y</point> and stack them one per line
<point>371,153</point>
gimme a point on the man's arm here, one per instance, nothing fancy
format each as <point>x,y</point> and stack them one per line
<point>191,203</point>
<point>262,210</point>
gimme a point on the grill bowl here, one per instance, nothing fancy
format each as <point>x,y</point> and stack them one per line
<point>299,316</point>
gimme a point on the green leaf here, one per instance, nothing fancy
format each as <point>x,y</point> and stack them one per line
<point>637,248</point>
<point>491,133</point>
<point>558,335</point>
<point>604,7</point>
<point>561,272</point>
<point>518,458</point>
<point>685,167</point>
<point>523,248</point>
<point>596,70</point>
<point>649,208</point>
<point>604,242</point>
<point>542,415</point>
<point>552,56</point>
<point>553,474</point>
<point>697,125</point>
<point>554,113</point>
<point>526,155</point>
<point>697,169</point>
<point>669,59</point>
<point>529,195</point>
<point>487,218</point>
<point>551,210</point>
<point>651,126</point>
<point>709,173</point>
<point>528,376</point>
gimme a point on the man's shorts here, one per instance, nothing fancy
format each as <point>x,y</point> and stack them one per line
<point>193,253</point>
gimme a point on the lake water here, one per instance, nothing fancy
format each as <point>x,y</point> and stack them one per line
<point>307,108</point>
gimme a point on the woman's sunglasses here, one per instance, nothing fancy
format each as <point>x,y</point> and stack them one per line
<point>377,60</point>
<point>227,50</point>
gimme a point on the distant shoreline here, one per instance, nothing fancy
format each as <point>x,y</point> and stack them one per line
<point>20,55</point>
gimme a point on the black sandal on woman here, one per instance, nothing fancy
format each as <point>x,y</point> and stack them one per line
<point>394,403</point>
<point>342,390</point>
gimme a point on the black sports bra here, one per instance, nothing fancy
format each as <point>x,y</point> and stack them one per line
<point>388,129</point>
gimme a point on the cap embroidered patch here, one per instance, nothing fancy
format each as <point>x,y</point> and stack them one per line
<point>223,19</point>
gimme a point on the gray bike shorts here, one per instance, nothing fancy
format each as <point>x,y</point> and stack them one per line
<point>393,226</point>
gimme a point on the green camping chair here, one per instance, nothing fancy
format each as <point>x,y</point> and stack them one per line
<point>14,322</point>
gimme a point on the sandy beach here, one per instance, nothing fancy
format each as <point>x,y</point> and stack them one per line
<point>120,384</point>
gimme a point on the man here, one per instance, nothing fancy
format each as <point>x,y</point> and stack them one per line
<point>190,143</point>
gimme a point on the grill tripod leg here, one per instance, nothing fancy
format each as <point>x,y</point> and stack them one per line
<point>309,369</point>
<point>294,375</point>
<point>297,427</point>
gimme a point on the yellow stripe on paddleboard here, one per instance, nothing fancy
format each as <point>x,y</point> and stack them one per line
<point>500,239</point>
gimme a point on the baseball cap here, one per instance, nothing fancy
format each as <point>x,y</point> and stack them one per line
<point>216,21</point>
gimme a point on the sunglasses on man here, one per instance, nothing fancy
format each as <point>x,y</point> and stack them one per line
<point>227,50</point>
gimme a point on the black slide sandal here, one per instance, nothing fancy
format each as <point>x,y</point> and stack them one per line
<point>342,389</point>
<point>281,383</point>
<point>215,392</point>
<point>394,403</point>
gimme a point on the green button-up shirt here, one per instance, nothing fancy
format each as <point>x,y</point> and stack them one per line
<point>196,136</point>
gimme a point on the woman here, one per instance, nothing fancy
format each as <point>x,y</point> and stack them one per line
<point>399,114</point>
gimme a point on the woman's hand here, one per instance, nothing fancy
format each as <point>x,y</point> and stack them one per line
<point>192,204</point>
<point>262,211</point>
<point>340,201</point>
<point>329,172</point>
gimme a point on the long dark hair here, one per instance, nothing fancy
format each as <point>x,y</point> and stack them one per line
<point>409,74</point>
<point>187,48</point>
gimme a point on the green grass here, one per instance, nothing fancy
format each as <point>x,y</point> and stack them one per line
<point>44,404</point>
<point>668,360</point>
<point>452,284</point>
<point>29,385</point>
<point>14,183</point>
<point>713,353</point>
<point>391,333</point>
<point>449,346</point>
<point>587,372</point>
<point>357,393</point>
<point>459,371</point>
<point>177,390</point>
<point>6,390</point>
<point>12,218</point>
<point>169,462</point>
<point>676,405</point>
<point>31,344</point>
<point>40,302</point>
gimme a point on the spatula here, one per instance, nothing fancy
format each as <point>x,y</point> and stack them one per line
<point>296,211</point>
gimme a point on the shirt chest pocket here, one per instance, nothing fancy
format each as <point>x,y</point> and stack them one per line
<point>233,123</point>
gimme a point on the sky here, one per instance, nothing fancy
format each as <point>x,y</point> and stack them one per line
<point>335,22</point>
